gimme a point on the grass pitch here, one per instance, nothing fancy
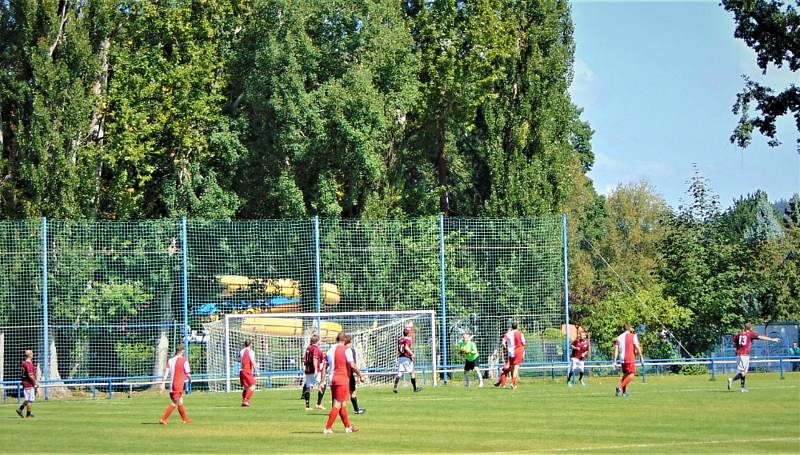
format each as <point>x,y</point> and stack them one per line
<point>676,414</point>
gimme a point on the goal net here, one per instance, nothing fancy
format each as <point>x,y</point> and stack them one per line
<point>280,339</point>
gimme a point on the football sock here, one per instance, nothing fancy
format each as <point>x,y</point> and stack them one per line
<point>466,379</point>
<point>396,381</point>
<point>569,376</point>
<point>514,381</point>
<point>248,394</point>
<point>742,381</point>
<point>345,418</point>
<point>182,412</point>
<point>307,397</point>
<point>331,418</point>
<point>738,376</point>
<point>480,378</point>
<point>168,412</point>
<point>580,375</point>
<point>354,400</point>
<point>414,383</point>
<point>503,377</point>
<point>320,394</point>
<point>23,406</point>
<point>244,395</point>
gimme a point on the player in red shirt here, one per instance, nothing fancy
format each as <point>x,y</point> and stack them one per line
<point>405,360</point>
<point>247,376</point>
<point>28,373</point>
<point>626,346</point>
<point>341,363</point>
<point>743,341</point>
<point>177,372</point>
<point>580,350</point>
<point>514,343</point>
<point>313,360</point>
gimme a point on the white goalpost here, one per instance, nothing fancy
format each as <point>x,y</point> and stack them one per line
<point>280,339</point>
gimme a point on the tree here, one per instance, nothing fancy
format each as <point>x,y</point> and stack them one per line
<point>701,270</point>
<point>791,216</point>
<point>646,308</point>
<point>765,225</point>
<point>326,87</point>
<point>636,224</point>
<point>170,148</point>
<point>772,29</point>
<point>48,60</point>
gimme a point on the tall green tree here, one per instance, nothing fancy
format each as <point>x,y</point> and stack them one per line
<point>772,29</point>
<point>701,271</point>
<point>48,62</point>
<point>326,88</point>
<point>170,148</point>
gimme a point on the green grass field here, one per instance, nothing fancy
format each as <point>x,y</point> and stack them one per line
<point>677,414</point>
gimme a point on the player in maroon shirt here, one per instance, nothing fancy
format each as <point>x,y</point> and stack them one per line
<point>580,349</point>
<point>313,366</point>
<point>743,341</point>
<point>28,372</point>
<point>405,361</point>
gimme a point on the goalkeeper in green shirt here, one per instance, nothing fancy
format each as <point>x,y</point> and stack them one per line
<point>468,349</point>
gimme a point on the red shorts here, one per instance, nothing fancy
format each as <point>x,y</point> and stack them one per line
<point>628,368</point>
<point>175,396</point>
<point>246,379</point>
<point>340,392</point>
<point>519,356</point>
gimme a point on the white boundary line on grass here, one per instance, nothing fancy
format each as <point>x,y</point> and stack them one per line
<point>672,444</point>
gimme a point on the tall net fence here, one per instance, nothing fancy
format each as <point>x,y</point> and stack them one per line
<point>119,296</point>
<point>504,270</point>
<point>21,313</point>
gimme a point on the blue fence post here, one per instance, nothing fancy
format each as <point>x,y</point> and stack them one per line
<point>110,395</point>
<point>185,283</point>
<point>317,279</point>
<point>45,324</point>
<point>644,373</point>
<point>566,285</point>
<point>443,329</point>
<point>713,370</point>
<point>780,362</point>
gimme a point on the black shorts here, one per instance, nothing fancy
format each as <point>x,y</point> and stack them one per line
<point>352,383</point>
<point>469,365</point>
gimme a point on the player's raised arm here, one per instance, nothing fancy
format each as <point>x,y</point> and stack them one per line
<point>763,338</point>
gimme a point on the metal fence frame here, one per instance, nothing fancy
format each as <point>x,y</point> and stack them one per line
<point>442,361</point>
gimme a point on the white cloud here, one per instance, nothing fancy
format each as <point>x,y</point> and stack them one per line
<point>582,82</point>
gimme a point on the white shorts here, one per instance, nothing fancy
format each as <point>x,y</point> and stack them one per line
<point>742,363</point>
<point>575,364</point>
<point>405,365</point>
<point>30,394</point>
<point>312,380</point>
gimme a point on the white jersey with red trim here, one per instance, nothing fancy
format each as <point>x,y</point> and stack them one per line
<point>177,371</point>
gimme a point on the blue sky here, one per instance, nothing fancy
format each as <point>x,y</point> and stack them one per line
<point>657,81</point>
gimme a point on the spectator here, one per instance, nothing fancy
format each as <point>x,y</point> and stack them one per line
<point>794,351</point>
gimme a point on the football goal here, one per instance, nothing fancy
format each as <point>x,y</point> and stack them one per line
<point>280,339</point>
